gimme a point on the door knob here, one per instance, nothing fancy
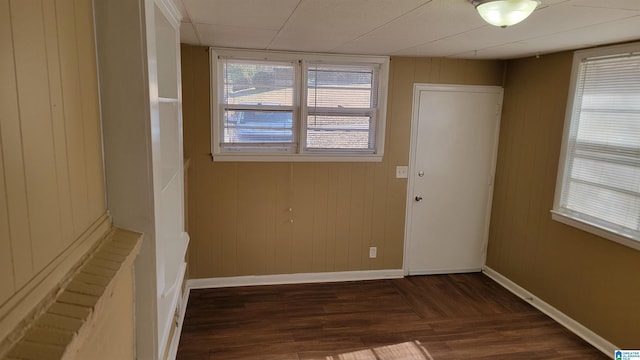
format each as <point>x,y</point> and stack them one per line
<point>418,198</point>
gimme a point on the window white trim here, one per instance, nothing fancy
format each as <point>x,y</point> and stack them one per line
<point>566,217</point>
<point>298,152</point>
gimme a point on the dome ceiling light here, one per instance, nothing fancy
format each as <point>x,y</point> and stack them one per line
<point>504,13</point>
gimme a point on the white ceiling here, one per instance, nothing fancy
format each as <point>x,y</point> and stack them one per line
<point>434,28</point>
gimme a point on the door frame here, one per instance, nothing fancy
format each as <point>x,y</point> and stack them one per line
<point>418,88</point>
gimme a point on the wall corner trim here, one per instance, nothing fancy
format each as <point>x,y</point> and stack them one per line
<point>572,325</point>
<point>300,278</point>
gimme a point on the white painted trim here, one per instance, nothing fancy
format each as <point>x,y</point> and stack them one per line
<point>444,271</point>
<point>299,157</point>
<point>173,347</point>
<point>572,325</point>
<point>302,278</point>
<point>175,298</point>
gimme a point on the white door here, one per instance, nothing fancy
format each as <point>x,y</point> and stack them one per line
<point>454,140</point>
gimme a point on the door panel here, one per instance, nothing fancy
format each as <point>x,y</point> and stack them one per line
<point>453,160</point>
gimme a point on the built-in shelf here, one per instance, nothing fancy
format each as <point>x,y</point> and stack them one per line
<point>145,144</point>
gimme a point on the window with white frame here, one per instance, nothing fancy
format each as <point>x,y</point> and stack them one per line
<point>273,106</point>
<point>598,186</point>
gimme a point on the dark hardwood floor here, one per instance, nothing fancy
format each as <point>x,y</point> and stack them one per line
<point>465,316</point>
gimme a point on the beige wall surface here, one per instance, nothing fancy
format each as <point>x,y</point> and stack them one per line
<point>51,177</point>
<point>239,218</point>
<point>590,279</point>
<point>52,191</point>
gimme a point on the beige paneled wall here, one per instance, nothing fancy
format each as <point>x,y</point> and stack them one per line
<point>239,218</point>
<point>51,178</point>
<point>593,280</point>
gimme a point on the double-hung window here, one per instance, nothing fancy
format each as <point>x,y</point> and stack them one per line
<point>274,106</point>
<point>598,186</point>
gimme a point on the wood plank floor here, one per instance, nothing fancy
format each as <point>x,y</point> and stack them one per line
<point>464,316</point>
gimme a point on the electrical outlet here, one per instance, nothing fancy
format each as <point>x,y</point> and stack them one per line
<point>373,252</point>
<point>402,172</point>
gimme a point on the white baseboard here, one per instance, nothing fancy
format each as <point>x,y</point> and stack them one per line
<point>443,271</point>
<point>253,280</point>
<point>575,327</point>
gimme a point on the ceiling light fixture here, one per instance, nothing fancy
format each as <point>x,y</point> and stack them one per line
<point>504,13</point>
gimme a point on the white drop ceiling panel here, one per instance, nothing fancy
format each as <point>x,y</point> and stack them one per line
<point>254,14</point>
<point>232,36</point>
<point>450,28</point>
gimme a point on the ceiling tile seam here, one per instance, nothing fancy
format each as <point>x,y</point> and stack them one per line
<point>440,39</point>
<point>382,25</point>
<point>522,41</point>
<point>193,25</point>
<point>605,7</point>
<point>283,26</point>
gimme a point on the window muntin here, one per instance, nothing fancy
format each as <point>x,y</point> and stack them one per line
<point>275,106</point>
<point>599,183</point>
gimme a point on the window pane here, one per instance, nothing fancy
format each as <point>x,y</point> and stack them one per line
<point>250,83</point>
<point>338,132</point>
<point>618,176</point>
<point>340,88</point>
<point>618,208</point>
<point>258,127</point>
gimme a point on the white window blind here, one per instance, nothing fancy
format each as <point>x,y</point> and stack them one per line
<point>341,107</point>
<point>258,103</point>
<point>280,106</point>
<point>601,179</point>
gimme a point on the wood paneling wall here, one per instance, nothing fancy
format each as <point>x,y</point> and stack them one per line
<point>239,218</point>
<point>51,177</point>
<point>592,280</point>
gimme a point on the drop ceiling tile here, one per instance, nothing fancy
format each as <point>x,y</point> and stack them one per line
<point>506,51</point>
<point>615,4</point>
<point>334,22</point>
<point>593,35</point>
<point>188,34</point>
<point>257,14</point>
<point>234,36</point>
<point>437,20</point>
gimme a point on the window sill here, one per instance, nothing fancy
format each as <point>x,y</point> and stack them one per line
<point>296,158</point>
<point>596,230</point>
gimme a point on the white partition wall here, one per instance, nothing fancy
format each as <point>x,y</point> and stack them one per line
<point>139,61</point>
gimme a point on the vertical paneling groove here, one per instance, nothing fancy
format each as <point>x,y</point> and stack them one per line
<point>72,102</point>
<point>87,73</point>
<point>7,277</point>
<point>58,121</point>
<point>239,212</point>
<point>11,132</point>
<point>33,100</point>
<point>43,183</point>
